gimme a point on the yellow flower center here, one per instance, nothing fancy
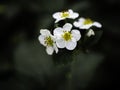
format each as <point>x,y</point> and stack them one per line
<point>65,14</point>
<point>67,36</point>
<point>49,41</point>
<point>88,21</point>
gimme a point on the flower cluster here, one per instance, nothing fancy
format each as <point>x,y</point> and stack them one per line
<point>69,34</point>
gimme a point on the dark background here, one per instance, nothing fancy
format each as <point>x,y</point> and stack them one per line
<point>24,64</point>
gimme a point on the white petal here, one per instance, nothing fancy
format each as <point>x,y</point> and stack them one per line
<point>60,43</point>
<point>49,50</point>
<point>55,48</point>
<point>41,38</point>
<point>71,45</point>
<point>79,23</point>
<point>86,26</point>
<point>76,24</point>
<point>81,19</point>
<point>70,11</point>
<point>74,15</point>
<point>57,15</point>
<point>67,27</point>
<point>58,31</point>
<point>74,40</point>
<point>97,24</point>
<point>76,34</point>
<point>90,32</point>
<point>45,32</point>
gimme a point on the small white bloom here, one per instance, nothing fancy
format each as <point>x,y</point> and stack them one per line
<point>90,33</point>
<point>48,40</point>
<point>67,38</point>
<point>83,23</point>
<point>65,14</point>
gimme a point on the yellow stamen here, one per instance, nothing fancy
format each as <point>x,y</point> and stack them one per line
<point>67,36</point>
<point>49,41</point>
<point>88,21</point>
<point>65,14</point>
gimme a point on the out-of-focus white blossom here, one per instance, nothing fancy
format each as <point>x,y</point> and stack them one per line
<point>65,14</point>
<point>83,23</point>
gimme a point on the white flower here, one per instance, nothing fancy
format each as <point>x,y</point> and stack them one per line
<point>67,38</point>
<point>48,40</point>
<point>83,23</point>
<point>90,33</point>
<point>65,14</point>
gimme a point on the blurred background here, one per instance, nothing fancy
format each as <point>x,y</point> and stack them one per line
<point>24,64</point>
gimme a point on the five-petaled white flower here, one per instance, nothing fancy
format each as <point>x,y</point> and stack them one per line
<point>65,37</point>
<point>65,14</point>
<point>90,33</point>
<point>48,40</point>
<point>83,23</point>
